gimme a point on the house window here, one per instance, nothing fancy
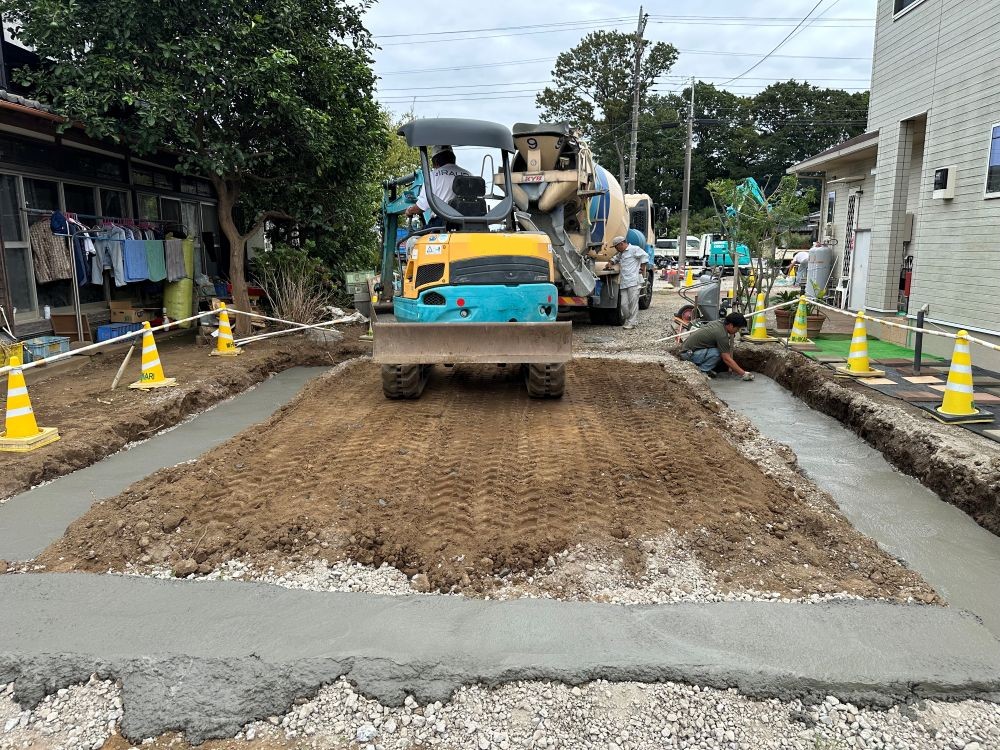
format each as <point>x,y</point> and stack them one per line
<point>831,203</point>
<point>993,170</point>
<point>901,5</point>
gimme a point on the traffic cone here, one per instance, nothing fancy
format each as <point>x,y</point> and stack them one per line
<point>958,406</point>
<point>758,333</point>
<point>791,274</point>
<point>800,333</point>
<point>225,346</point>
<point>858,364</point>
<point>21,432</point>
<point>152,370</point>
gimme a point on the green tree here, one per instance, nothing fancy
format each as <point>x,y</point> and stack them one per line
<point>797,120</point>
<point>400,159</point>
<point>271,100</point>
<point>592,89</point>
<point>758,221</point>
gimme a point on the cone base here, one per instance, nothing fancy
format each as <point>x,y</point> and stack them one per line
<point>366,337</point>
<point>148,386</point>
<point>231,353</point>
<point>976,417</point>
<point>45,436</point>
<point>870,373</point>
<point>804,345</point>
<point>764,340</point>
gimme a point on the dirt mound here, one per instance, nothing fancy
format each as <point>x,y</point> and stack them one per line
<point>475,479</point>
<point>95,422</point>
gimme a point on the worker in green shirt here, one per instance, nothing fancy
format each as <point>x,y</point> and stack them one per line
<point>710,343</point>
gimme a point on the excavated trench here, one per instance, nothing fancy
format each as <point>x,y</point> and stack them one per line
<point>961,468</point>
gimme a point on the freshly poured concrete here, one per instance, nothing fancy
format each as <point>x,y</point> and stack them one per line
<point>959,558</point>
<point>207,657</point>
<point>29,522</point>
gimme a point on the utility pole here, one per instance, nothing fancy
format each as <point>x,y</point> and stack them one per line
<point>636,86</point>
<point>686,195</point>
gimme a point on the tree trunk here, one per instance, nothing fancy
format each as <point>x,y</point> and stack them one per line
<point>228,195</point>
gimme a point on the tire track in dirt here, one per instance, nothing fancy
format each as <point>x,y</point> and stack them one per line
<point>474,479</point>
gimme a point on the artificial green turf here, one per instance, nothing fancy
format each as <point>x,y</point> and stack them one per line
<point>839,344</point>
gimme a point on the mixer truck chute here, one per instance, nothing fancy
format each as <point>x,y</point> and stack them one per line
<point>473,289</point>
<point>582,208</point>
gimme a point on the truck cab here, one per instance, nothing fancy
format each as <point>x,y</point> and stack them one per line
<point>718,254</point>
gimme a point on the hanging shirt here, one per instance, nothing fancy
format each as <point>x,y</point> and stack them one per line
<point>442,180</point>
<point>174,251</point>
<point>155,261</point>
<point>136,264</point>
<point>49,253</point>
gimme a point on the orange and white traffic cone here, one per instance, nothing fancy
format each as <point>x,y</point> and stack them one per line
<point>152,370</point>
<point>21,432</point>
<point>758,333</point>
<point>225,345</point>
<point>800,326</point>
<point>858,365</point>
<point>958,406</point>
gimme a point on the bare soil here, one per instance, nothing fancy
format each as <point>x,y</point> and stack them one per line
<point>476,480</point>
<point>95,422</point>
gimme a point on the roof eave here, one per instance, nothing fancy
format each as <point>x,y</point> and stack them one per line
<point>816,163</point>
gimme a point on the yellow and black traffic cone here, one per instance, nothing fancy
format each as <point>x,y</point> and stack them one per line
<point>152,370</point>
<point>800,326</point>
<point>858,365</point>
<point>758,332</point>
<point>689,277</point>
<point>225,345</point>
<point>21,432</point>
<point>958,405</point>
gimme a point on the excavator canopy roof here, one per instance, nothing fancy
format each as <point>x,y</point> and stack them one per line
<point>457,132</point>
<point>543,128</point>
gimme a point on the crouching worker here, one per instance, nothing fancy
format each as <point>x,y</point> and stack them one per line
<point>714,342</point>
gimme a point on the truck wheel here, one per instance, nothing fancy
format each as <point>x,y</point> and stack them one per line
<point>404,381</point>
<point>545,381</point>
<point>647,298</point>
<point>616,316</point>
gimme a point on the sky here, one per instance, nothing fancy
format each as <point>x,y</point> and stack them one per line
<point>461,58</point>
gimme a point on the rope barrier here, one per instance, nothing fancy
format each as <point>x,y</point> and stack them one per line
<point>679,336</point>
<point>890,324</point>
<point>116,340</point>
<point>133,334</point>
<point>298,327</point>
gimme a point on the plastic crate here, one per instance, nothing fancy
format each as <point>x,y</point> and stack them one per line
<point>43,347</point>
<point>114,330</point>
<point>10,350</point>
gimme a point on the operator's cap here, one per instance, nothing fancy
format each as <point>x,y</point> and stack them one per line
<point>617,239</point>
<point>441,150</point>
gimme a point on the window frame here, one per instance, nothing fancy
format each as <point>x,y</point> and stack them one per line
<point>987,195</point>
<point>897,14</point>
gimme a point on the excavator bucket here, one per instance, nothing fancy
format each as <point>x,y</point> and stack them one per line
<point>465,343</point>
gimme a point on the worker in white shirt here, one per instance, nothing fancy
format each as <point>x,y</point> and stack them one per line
<point>633,261</point>
<point>442,177</point>
<point>800,263</point>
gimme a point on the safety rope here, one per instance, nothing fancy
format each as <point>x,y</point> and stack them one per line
<point>890,324</point>
<point>679,336</point>
<point>298,328</point>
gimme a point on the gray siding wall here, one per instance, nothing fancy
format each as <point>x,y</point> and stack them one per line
<point>863,215</point>
<point>942,58</point>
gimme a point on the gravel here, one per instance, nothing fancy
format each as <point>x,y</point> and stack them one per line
<point>598,716</point>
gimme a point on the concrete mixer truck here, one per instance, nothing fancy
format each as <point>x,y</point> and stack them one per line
<point>559,188</point>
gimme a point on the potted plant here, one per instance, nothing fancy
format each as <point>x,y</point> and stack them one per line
<point>784,315</point>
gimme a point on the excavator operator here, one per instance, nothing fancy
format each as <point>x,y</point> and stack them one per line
<point>442,178</point>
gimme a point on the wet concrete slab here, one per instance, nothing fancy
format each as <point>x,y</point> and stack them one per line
<point>959,558</point>
<point>207,657</point>
<point>29,522</point>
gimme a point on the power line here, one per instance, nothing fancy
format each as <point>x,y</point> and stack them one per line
<point>582,21</point>
<point>779,45</point>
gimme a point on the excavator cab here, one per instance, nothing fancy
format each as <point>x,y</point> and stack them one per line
<point>473,288</point>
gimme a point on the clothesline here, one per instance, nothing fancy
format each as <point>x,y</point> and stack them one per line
<point>70,214</point>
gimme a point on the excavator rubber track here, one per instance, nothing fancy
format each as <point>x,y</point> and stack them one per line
<point>404,381</point>
<point>545,381</point>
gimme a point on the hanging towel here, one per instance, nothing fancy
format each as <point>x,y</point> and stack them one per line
<point>136,265</point>
<point>49,253</point>
<point>155,261</point>
<point>175,260</point>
